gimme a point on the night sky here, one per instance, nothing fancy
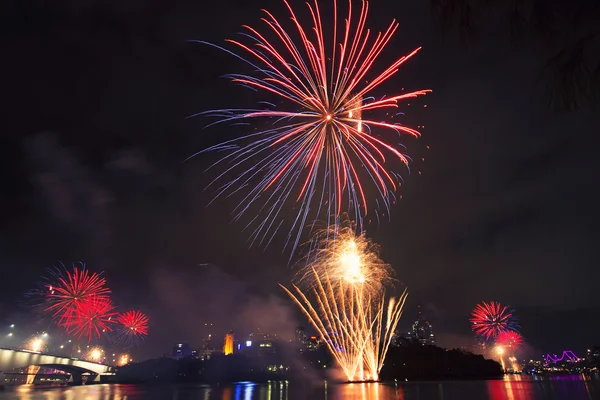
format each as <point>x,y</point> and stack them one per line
<point>95,98</point>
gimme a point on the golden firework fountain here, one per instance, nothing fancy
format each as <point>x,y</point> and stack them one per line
<point>346,281</point>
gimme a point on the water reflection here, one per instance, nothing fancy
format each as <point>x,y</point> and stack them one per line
<point>511,388</point>
<point>532,388</point>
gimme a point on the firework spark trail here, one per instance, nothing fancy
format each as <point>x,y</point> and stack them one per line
<point>348,308</point>
<point>491,319</point>
<point>323,142</point>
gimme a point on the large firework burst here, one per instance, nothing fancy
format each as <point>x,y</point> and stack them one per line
<point>326,149</point>
<point>488,320</point>
<point>66,291</point>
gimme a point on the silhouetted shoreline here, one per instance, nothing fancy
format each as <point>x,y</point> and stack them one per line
<point>406,363</point>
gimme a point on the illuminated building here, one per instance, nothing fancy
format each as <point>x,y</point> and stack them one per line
<point>258,338</point>
<point>209,345</point>
<point>422,331</point>
<point>228,346</point>
<point>181,350</point>
<point>260,344</point>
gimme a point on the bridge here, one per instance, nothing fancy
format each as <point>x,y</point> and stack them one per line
<point>11,359</point>
<point>567,356</point>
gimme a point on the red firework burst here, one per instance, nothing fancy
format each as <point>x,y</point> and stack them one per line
<point>70,290</point>
<point>134,326</point>
<point>134,321</point>
<point>92,317</point>
<point>490,319</point>
<point>511,339</point>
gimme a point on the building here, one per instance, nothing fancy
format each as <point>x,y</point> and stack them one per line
<point>259,344</point>
<point>181,350</point>
<point>422,331</point>
<point>228,346</point>
<point>210,345</point>
<point>593,355</point>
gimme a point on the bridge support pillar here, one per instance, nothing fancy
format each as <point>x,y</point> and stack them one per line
<point>76,379</point>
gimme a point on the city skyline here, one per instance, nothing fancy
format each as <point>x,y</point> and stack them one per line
<point>212,337</point>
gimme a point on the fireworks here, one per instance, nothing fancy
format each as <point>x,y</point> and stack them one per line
<point>36,344</point>
<point>92,318</point>
<point>95,354</point>
<point>352,259</point>
<point>123,360</point>
<point>320,146</point>
<point>510,339</point>
<point>67,292</point>
<point>80,302</point>
<point>349,309</point>
<point>491,319</point>
<point>133,327</point>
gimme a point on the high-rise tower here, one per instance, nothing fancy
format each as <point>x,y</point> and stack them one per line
<point>228,346</point>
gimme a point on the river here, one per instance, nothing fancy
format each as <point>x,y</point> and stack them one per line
<point>510,388</point>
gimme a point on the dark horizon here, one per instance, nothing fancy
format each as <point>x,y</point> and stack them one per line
<point>97,95</point>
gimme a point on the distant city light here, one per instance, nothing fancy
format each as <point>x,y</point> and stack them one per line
<point>12,325</point>
<point>248,343</point>
<point>10,334</point>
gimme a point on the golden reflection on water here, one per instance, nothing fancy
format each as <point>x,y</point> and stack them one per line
<point>367,391</point>
<point>512,387</point>
<point>226,394</point>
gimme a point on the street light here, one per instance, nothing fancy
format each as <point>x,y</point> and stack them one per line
<point>10,334</point>
<point>12,325</point>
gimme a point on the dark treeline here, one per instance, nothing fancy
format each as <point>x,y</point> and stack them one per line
<point>412,362</point>
<point>283,362</point>
<point>416,362</point>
